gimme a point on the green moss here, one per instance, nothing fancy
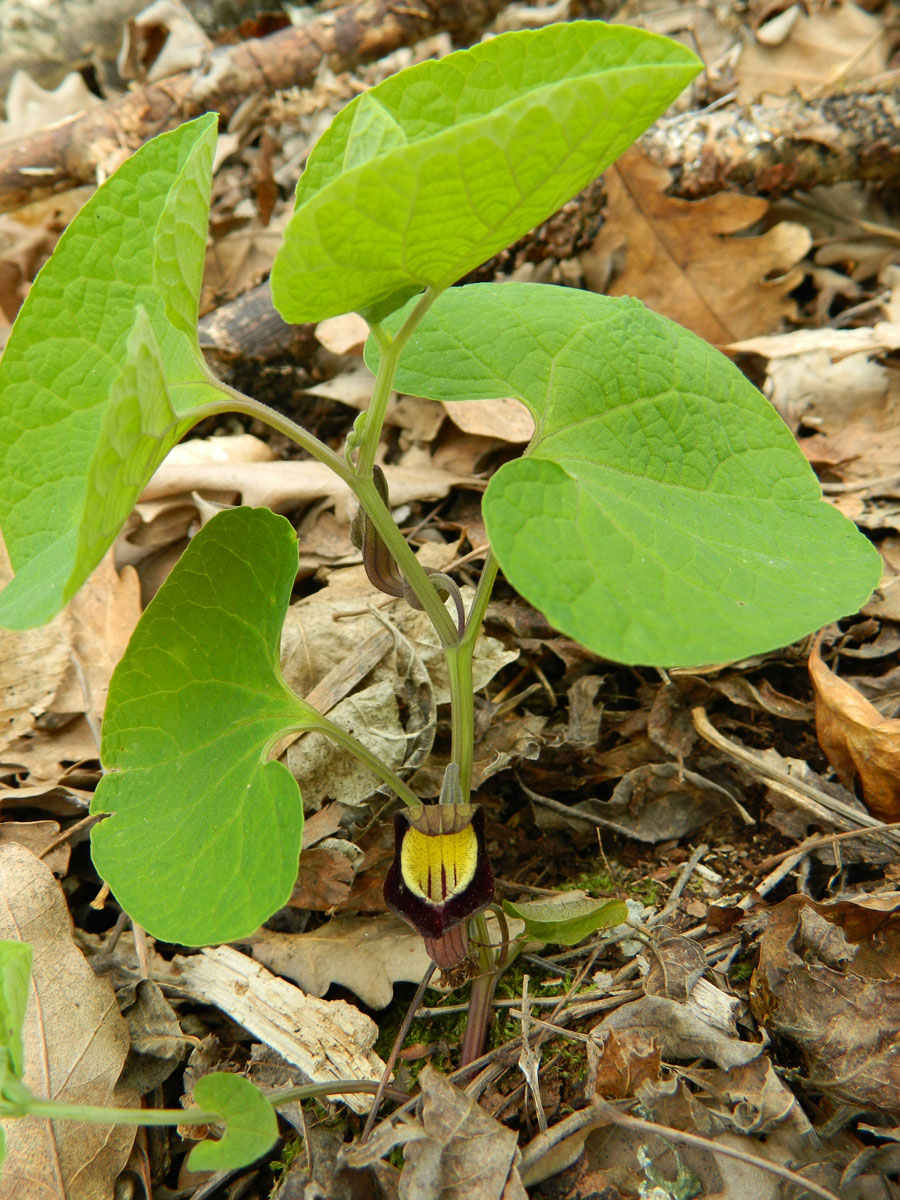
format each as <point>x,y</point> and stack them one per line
<point>601,883</point>
<point>292,1148</point>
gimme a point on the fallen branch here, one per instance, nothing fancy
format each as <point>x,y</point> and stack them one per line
<point>784,146</point>
<point>71,152</point>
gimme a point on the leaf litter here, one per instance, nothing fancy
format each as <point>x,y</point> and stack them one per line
<point>752,1000</point>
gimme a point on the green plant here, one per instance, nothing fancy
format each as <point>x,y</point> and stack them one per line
<point>661,514</point>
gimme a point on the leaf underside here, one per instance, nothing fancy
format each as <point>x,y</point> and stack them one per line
<point>662,513</point>
<point>138,245</point>
<point>425,176</point>
<point>204,836</point>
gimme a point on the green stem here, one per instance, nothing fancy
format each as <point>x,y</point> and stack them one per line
<point>384,381</point>
<point>462,713</point>
<point>319,724</point>
<point>462,694</point>
<point>481,997</point>
<point>97,1115</point>
<point>363,488</point>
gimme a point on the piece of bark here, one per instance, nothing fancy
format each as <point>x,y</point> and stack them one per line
<point>71,152</point>
<point>786,145</point>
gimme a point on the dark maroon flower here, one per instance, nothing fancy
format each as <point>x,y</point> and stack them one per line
<point>440,875</point>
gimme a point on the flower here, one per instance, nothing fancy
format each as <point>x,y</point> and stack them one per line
<point>440,875</point>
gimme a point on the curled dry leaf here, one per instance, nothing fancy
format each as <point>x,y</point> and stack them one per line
<point>837,1003</point>
<point>857,740</point>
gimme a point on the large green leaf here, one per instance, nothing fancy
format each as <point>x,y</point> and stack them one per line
<point>434,170</point>
<point>204,836</point>
<point>138,243</point>
<point>663,513</point>
<point>251,1127</point>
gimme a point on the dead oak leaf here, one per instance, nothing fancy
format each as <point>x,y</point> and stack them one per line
<point>680,261</point>
<point>857,740</point>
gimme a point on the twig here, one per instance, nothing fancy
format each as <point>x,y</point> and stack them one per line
<point>814,843</point>
<point>796,789</point>
<point>395,1050</point>
<point>529,1059</point>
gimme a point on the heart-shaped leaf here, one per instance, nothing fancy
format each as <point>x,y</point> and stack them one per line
<point>662,513</point>
<point>567,920</point>
<point>204,834</point>
<point>138,243</point>
<point>251,1127</point>
<point>428,174</point>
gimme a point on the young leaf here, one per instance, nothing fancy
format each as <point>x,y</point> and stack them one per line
<point>662,513</point>
<point>567,920</point>
<point>251,1127</point>
<point>204,834</point>
<point>428,174</point>
<point>139,242</point>
<point>15,977</point>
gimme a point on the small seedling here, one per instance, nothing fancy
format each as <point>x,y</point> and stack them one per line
<point>661,514</point>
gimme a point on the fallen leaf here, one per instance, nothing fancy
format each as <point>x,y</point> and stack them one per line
<point>509,419</point>
<point>103,615</point>
<point>33,664</point>
<point>655,802</point>
<point>829,47</point>
<point>857,740</point>
<point>465,1155</point>
<point>324,877</point>
<point>682,1030</point>
<point>680,261</point>
<point>76,1043</point>
<point>810,990</point>
<point>343,335</point>
<point>36,836</point>
<point>368,955</point>
<point>623,1060</point>
<point>455,1150</point>
<point>326,1039</point>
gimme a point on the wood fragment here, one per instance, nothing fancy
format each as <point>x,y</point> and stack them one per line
<point>786,145</point>
<point>73,151</point>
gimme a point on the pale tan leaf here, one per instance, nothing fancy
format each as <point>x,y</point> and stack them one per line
<point>76,1042</point>
<point>509,419</point>
<point>832,46</point>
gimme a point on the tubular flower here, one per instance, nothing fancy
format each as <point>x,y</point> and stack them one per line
<point>440,875</point>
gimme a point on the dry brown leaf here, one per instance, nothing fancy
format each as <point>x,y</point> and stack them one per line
<point>680,262</point>
<point>103,616</point>
<point>76,1043</point>
<point>324,877</point>
<point>465,1154</point>
<point>624,1060</point>
<point>830,47</point>
<point>509,419</point>
<point>36,836</point>
<point>815,990</point>
<point>857,740</point>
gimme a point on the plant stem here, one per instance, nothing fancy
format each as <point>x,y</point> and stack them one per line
<point>96,1114</point>
<point>480,998</point>
<point>363,488</point>
<point>320,724</point>
<point>384,381</point>
<point>459,669</point>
